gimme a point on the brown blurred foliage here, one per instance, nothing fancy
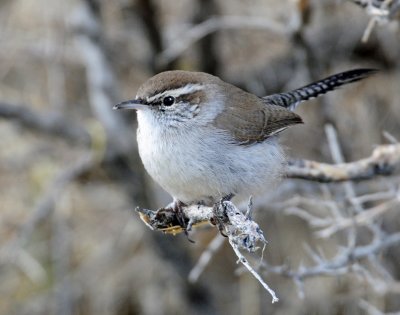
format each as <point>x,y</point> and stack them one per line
<point>71,175</point>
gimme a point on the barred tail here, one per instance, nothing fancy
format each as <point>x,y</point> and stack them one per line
<point>293,98</point>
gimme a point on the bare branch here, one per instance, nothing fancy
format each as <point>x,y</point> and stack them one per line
<point>383,161</point>
<point>380,12</point>
<point>241,230</point>
<point>340,264</point>
<point>362,218</point>
<point>337,155</point>
<point>245,262</point>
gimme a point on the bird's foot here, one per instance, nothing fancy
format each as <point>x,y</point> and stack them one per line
<point>176,207</point>
<point>219,214</point>
<point>180,216</point>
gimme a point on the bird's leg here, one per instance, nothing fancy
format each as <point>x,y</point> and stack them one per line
<point>220,218</point>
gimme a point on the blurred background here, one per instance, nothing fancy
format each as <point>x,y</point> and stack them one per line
<point>70,175</point>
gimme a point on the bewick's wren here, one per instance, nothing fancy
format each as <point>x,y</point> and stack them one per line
<point>202,139</point>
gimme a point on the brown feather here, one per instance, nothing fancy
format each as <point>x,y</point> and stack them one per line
<point>249,119</point>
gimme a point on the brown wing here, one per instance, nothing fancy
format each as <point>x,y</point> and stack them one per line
<point>253,120</point>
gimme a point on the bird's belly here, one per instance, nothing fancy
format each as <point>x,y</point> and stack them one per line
<point>195,168</point>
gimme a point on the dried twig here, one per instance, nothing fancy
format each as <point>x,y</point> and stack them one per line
<point>245,262</point>
<point>241,230</point>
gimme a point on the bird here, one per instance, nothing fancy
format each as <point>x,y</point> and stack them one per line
<point>203,139</point>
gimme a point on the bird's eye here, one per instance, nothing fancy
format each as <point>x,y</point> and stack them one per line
<point>168,100</point>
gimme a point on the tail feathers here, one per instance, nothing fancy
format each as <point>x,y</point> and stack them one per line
<point>291,99</point>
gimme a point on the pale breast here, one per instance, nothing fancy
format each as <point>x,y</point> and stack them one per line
<point>179,161</point>
<point>196,165</point>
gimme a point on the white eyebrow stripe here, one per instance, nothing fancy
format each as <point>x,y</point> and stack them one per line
<point>187,89</point>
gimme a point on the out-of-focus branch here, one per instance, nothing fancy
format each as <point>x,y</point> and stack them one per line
<point>44,207</point>
<point>380,11</point>
<point>103,94</point>
<point>148,13</point>
<point>207,45</point>
<point>364,218</point>
<point>383,161</point>
<point>346,260</point>
<point>205,258</point>
<point>100,76</point>
<point>61,259</point>
<point>49,123</point>
<point>182,41</point>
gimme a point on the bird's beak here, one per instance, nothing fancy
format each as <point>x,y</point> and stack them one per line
<point>132,104</point>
